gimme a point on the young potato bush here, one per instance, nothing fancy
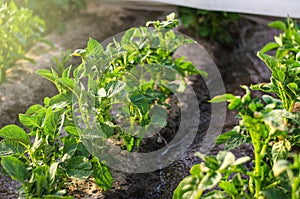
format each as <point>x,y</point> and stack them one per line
<point>53,149</point>
<point>19,30</point>
<point>53,12</point>
<point>270,125</point>
<point>212,25</point>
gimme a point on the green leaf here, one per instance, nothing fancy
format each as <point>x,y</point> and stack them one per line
<point>269,46</point>
<point>241,160</point>
<point>14,167</point>
<point>53,170</point>
<point>140,101</point>
<point>195,170</point>
<point>235,141</point>
<point>114,88</point>
<point>294,88</point>
<point>47,75</point>
<point>265,87</point>
<point>70,146</point>
<point>226,136</point>
<point>14,133</point>
<point>52,121</point>
<point>102,175</point>
<point>34,109</point>
<point>222,98</point>
<point>158,116</point>
<point>66,72</point>
<point>225,159</point>
<point>278,25</point>
<point>271,62</point>
<point>275,193</point>
<point>188,188</point>
<point>72,130</point>
<point>215,194</point>
<point>8,147</point>
<point>70,84</point>
<point>247,97</point>
<point>94,47</point>
<point>30,121</point>
<point>275,119</point>
<point>280,150</point>
<point>280,166</point>
<point>210,180</point>
<point>229,188</point>
<point>79,167</point>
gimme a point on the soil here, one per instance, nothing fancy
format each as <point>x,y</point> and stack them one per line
<point>238,65</point>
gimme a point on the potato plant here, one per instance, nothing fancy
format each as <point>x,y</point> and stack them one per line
<point>19,30</point>
<point>269,125</point>
<point>211,25</point>
<point>54,12</point>
<point>52,148</point>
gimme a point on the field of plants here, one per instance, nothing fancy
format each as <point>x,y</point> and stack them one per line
<point>99,101</point>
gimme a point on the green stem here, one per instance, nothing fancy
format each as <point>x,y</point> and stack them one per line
<point>25,190</point>
<point>295,186</point>
<point>257,170</point>
<point>274,184</point>
<point>257,159</point>
<point>267,141</point>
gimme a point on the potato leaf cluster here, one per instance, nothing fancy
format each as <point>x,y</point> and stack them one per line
<point>271,126</point>
<point>60,137</point>
<point>19,30</point>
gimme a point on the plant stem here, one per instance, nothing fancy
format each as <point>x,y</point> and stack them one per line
<point>257,170</point>
<point>267,141</point>
<point>24,188</point>
<point>295,187</point>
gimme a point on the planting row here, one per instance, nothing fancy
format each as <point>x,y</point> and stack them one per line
<point>270,125</point>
